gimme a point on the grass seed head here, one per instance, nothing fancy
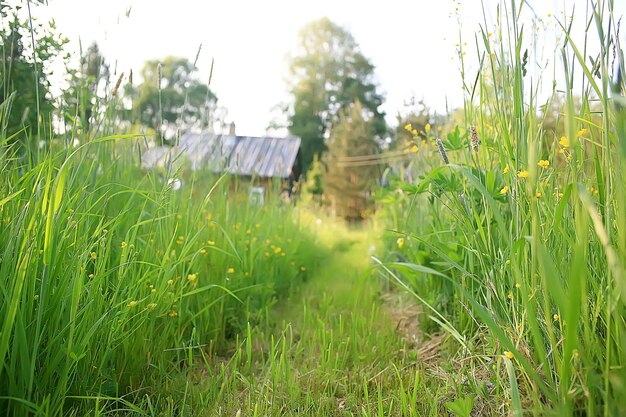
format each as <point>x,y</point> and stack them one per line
<point>475,140</point>
<point>442,151</point>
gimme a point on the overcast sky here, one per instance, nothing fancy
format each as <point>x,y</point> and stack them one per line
<point>411,43</point>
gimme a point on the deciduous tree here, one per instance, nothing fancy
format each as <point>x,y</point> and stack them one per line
<point>171,98</point>
<point>328,73</point>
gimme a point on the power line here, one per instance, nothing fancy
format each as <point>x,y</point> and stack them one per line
<point>399,158</point>
<point>392,154</point>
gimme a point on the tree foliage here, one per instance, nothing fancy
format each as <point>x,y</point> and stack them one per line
<point>81,99</point>
<point>174,100</point>
<point>350,179</point>
<point>25,71</point>
<point>328,73</point>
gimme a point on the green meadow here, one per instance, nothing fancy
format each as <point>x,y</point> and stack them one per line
<point>488,278</point>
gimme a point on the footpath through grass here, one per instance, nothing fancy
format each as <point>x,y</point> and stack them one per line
<point>335,349</point>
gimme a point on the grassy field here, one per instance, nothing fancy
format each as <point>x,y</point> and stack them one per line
<point>494,283</point>
<point>110,277</point>
<point>515,238</point>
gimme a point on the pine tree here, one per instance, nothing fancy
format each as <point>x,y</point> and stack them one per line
<point>351,179</point>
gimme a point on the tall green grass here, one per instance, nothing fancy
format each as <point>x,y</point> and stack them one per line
<point>523,261</point>
<point>110,277</point>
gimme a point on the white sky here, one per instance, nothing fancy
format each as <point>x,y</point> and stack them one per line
<point>411,43</point>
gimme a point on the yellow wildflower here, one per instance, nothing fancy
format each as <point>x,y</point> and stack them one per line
<point>581,132</point>
<point>564,142</point>
<point>123,245</point>
<point>210,242</point>
<point>91,276</point>
<point>400,242</point>
<point>427,127</point>
<point>230,270</point>
<point>518,285</point>
<point>414,132</point>
<point>132,304</point>
<point>556,317</point>
<point>504,190</point>
<point>506,169</point>
<point>508,354</point>
<point>544,163</point>
<point>414,149</point>
<point>192,277</point>
<point>302,269</point>
<point>93,255</point>
<point>203,251</point>
<point>170,282</point>
<point>522,174</point>
<point>408,127</point>
<point>537,195</point>
<point>173,313</point>
<point>510,296</point>
<point>278,250</point>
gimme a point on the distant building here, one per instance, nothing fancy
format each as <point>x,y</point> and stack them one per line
<point>246,156</point>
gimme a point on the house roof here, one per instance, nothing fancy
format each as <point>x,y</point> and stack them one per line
<point>241,155</point>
